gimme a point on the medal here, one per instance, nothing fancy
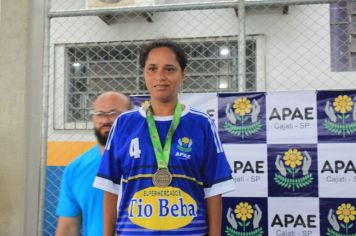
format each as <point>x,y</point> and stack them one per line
<point>162,178</point>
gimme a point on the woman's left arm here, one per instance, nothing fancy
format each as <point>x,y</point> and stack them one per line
<point>214,208</point>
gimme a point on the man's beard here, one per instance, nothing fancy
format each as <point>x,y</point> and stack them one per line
<point>102,139</point>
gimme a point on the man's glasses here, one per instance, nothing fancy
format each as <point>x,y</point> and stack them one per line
<point>105,114</point>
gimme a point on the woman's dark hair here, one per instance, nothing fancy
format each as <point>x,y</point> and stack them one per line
<point>164,43</point>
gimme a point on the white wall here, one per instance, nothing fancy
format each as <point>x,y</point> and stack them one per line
<point>298,49</point>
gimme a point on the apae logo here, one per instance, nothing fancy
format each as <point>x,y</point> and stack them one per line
<point>342,116</point>
<point>240,220</point>
<point>243,117</point>
<point>185,147</point>
<point>342,224</point>
<point>293,170</point>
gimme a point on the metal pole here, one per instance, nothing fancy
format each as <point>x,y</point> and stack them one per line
<point>141,9</point>
<point>184,6</point>
<point>33,115</point>
<point>242,47</point>
<point>44,134</point>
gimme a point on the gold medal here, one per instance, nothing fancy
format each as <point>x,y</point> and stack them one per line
<point>162,178</point>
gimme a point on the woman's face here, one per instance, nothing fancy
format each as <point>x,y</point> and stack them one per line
<point>163,74</point>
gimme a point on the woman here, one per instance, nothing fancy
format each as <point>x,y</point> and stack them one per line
<point>165,161</point>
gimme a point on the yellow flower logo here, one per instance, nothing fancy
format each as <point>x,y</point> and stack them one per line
<point>343,104</point>
<point>243,211</point>
<point>242,106</point>
<point>185,140</point>
<point>346,212</point>
<point>293,158</point>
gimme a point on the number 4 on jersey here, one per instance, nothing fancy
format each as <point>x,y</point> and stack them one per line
<point>135,151</point>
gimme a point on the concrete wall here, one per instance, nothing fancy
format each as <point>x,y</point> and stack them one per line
<point>20,105</point>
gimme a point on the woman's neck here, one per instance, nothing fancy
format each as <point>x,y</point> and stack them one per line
<point>163,108</point>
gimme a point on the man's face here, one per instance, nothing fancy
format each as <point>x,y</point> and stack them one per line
<point>106,110</point>
<point>102,125</point>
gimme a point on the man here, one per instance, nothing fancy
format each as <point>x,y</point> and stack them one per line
<point>80,205</point>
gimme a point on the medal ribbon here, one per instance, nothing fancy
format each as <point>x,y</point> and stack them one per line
<point>162,155</point>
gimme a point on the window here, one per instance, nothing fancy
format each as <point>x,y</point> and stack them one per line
<point>94,68</point>
<point>213,65</point>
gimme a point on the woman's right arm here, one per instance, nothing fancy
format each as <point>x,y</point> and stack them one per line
<point>110,213</point>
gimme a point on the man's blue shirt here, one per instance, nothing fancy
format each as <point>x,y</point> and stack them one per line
<point>78,196</point>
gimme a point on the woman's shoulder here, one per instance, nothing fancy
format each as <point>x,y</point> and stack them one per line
<point>198,113</point>
<point>129,114</point>
<point>133,116</point>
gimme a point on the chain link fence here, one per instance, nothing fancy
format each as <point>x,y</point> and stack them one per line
<point>93,46</point>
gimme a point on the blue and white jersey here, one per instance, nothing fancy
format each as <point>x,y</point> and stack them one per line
<point>197,163</point>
